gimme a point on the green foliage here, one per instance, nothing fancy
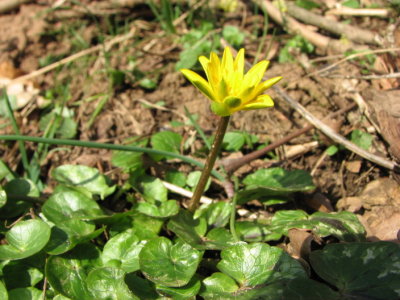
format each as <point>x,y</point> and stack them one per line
<point>307,4</point>
<point>361,139</point>
<point>295,44</point>
<point>196,42</point>
<point>351,3</point>
<point>155,249</point>
<point>233,35</point>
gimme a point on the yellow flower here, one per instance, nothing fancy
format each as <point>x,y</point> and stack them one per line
<point>228,88</point>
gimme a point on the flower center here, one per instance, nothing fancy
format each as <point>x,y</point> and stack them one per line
<point>232,101</point>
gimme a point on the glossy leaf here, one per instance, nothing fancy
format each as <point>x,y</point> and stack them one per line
<point>67,273</point>
<point>25,239</point>
<point>62,206</point>
<point>168,264</point>
<point>83,176</point>
<point>161,210</point>
<point>254,264</point>
<point>108,283</point>
<point>360,270</point>
<point>166,141</point>
<point>124,247</point>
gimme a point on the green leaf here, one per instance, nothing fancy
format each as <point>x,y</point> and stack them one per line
<point>25,239</point>
<point>148,84</point>
<point>3,291</point>
<point>124,247</point>
<point>166,141</point>
<point>361,139</point>
<point>233,141</point>
<point>332,150</point>
<point>167,264</point>
<point>189,229</point>
<point>220,238</point>
<point>68,234</point>
<point>153,189</point>
<point>176,177</point>
<point>19,274</point>
<point>254,264</point>
<point>108,283</point>
<point>360,270</point>
<point>161,210</point>
<point>67,273</point>
<point>146,227</point>
<point>17,190</point>
<point>3,197</point>
<point>217,214</point>
<point>219,286</point>
<point>127,161</point>
<point>83,176</point>
<point>69,204</point>
<point>193,178</point>
<point>266,183</point>
<point>256,232</point>
<point>233,35</point>
<point>343,225</point>
<point>29,293</point>
<point>351,3</point>
<point>188,291</point>
<point>307,4</point>
<point>63,121</point>
<point>142,288</point>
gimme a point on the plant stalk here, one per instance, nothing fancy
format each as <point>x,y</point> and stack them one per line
<point>233,219</point>
<point>212,156</point>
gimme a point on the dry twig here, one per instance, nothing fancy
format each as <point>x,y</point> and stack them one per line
<point>351,32</point>
<point>106,46</point>
<point>333,135</point>
<point>324,43</point>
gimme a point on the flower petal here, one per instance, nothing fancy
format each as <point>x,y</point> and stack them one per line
<point>261,88</point>
<point>227,62</point>
<point>256,73</point>
<point>261,101</point>
<point>199,82</point>
<point>238,64</point>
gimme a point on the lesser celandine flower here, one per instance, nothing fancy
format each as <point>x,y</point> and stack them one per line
<point>228,88</point>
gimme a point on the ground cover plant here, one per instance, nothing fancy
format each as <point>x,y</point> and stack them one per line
<point>112,115</point>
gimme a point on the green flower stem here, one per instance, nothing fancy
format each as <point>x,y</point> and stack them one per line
<point>107,146</point>
<point>212,156</point>
<point>233,218</point>
<point>14,124</point>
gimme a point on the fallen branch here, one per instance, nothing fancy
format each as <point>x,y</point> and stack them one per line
<point>231,165</point>
<point>8,5</point>
<point>352,56</point>
<point>351,32</point>
<point>324,43</point>
<point>329,132</point>
<point>360,12</point>
<point>75,56</point>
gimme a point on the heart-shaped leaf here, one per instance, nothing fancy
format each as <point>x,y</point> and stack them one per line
<point>67,273</point>
<point>83,176</point>
<point>162,210</point>
<point>108,283</point>
<point>166,141</point>
<point>167,264</point>
<point>62,206</point>
<point>360,270</point>
<point>258,263</point>
<point>188,291</point>
<point>189,229</point>
<point>266,183</point>
<point>29,293</point>
<point>124,247</point>
<point>25,239</point>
